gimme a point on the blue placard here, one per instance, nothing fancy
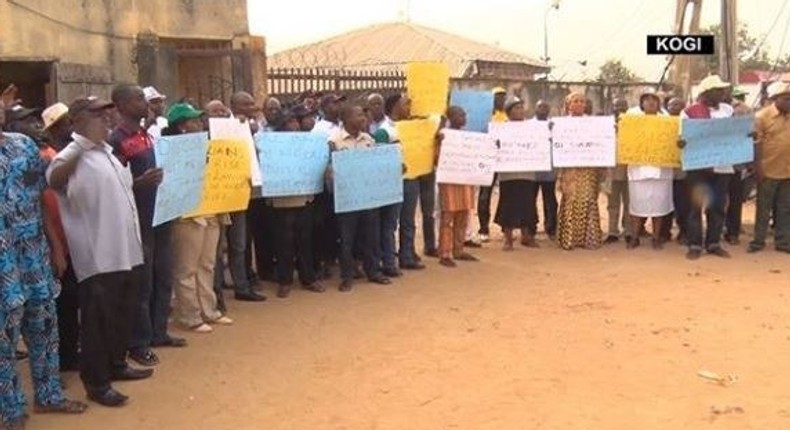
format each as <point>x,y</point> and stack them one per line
<point>367,178</point>
<point>292,163</point>
<point>183,160</point>
<point>478,106</point>
<point>717,142</point>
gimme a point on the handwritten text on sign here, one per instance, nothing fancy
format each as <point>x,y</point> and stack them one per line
<point>466,158</point>
<point>717,142</point>
<point>583,141</point>
<point>227,184</point>
<point>292,164</point>
<point>524,146</point>
<point>367,178</point>
<point>183,160</point>
<point>232,128</point>
<point>648,140</point>
<point>417,138</point>
<point>477,105</point>
<point>428,85</point>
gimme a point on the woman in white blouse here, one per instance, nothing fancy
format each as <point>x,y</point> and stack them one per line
<point>649,187</point>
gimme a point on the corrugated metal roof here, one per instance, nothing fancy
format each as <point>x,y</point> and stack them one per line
<point>390,46</point>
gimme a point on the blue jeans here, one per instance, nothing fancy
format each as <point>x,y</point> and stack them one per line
<point>389,224</point>
<point>715,187</point>
<point>236,234</point>
<point>422,189</point>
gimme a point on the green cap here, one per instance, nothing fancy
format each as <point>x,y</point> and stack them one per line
<point>738,91</point>
<point>381,136</point>
<point>182,112</point>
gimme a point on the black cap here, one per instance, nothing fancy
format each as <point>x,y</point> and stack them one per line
<point>332,98</point>
<point>301,111</point>
<point>89,104</point>
<point>19,112</point>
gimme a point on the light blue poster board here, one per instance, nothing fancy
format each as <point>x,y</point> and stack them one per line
<point>367,178</point>
<point>478,106</point>
<point>292,163</point>
<point>183,160</point>
<point>717,142</point>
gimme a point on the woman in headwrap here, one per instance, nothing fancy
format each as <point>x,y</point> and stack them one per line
<point>579,220</point>
<point>649,187</point>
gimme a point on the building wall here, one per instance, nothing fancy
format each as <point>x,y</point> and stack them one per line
<point>103,33</point>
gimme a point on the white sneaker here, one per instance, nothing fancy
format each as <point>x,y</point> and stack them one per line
<point>484,238</point>
<point>202,328</point>
<point>223,320</point>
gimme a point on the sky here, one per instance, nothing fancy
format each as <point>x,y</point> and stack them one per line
<point>580,30</point>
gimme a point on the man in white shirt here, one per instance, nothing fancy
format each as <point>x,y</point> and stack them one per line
<point>329,123</point>
<point>156,121</point>
<point>100,220</point>
<point>714,181</point>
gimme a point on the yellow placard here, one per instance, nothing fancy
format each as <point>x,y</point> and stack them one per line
<point>648,140</point>
<point>227,184</point>
<point>418,139</point>
<point>428,85</point>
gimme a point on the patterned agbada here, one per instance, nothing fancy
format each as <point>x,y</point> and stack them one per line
<point>28,287</point>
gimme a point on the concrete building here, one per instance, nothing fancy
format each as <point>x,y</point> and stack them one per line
<point>60,50</point>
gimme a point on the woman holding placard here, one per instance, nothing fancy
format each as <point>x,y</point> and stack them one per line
<point>649,187</point>
<point>516,192</point>
<point>579,223</point>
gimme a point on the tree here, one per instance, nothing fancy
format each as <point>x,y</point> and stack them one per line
<point>751,54</point>
<point>614,71</point>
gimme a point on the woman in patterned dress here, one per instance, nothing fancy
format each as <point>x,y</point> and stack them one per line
<point>579,223</point>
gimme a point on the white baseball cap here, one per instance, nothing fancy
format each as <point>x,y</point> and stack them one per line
<point>152,94</point>
<point>54,113</point>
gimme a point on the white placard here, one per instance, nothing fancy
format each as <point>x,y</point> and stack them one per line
<point>466,158</point>
<point>232,128</point>
<point>583,141</point>
<point>524,146</point>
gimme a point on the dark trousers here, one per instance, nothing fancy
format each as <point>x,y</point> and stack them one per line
<point>734,207</point>
<point>423,191</point>
<point>107,310</point>
<point>326,237</point>
<point>354,226</point>
<point>293,234</point>
<point>389,225</point>
<point>484,209</point>
<point>773,196</point>
<point>549,195</point>
<point>682,203</point>
<point>68,307</point>
<point>712,186</point>
<point>260,222</point>
<point>155,290</point>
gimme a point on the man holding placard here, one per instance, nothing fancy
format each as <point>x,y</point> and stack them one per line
<point>708,184</point>
<point>772,163</point>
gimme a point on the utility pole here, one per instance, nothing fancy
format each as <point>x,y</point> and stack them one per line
<point>728,45</point>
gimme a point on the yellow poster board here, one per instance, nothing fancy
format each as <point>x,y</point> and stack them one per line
<point>648,140</point>
<point>428,85</point>
<point>418,139</point>
<point>227,184</point>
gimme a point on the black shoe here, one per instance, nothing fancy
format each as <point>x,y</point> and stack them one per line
<point>754,248</point>
<point>132,374</point>
<point>358,273</point>
<point>719,252</point>
<point>109,398</point>
<point>412,266</point>
<point>472,244</point>
<point>144,357</point>
<point>433,253</point>
<point>380,279</point>
<point>169,342</point>
<point>732,240</point>
<point>345,286</point>
<point>392,273</point>
<point>284,291</point>
<point>694,254</point>
<point>249,296</point>
<point>21,355</point>
<point>611,239</point>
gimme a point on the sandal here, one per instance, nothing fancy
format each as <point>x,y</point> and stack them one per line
<point>466,257</point>
<point>69,407</point>
<point>145,358</point>
<point>447,262</point>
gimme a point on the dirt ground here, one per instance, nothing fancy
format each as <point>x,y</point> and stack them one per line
<point>534,339</point>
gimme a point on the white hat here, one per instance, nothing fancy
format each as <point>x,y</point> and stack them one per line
<point>152,94</point>
<point>54,113</point>
<point>778,88</point>
<point>712,82</point>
